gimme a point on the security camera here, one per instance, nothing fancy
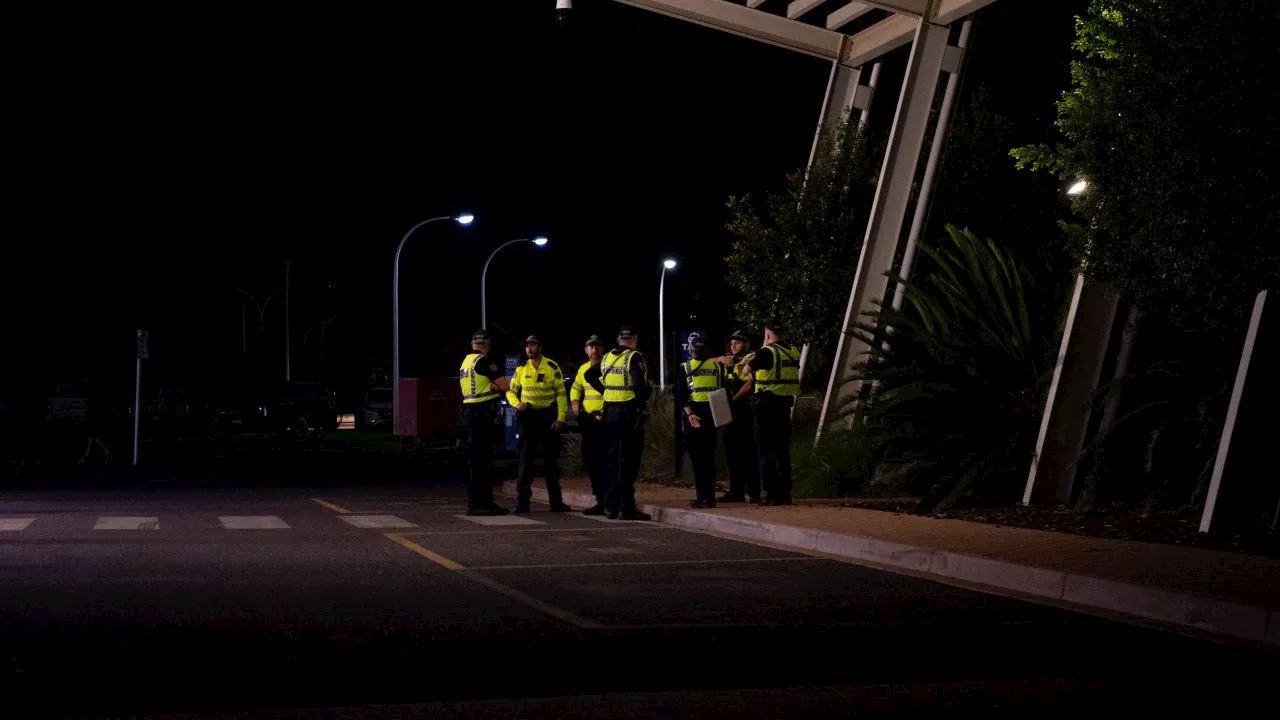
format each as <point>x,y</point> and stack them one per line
<point>564,8</point>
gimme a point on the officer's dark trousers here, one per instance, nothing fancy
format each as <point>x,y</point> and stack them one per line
<point>591,429</point>
<point>538,439</point>
<point>740,451</point>
<point>702,452</point>
<point>773,443</point>
<point>480,431</point>
<point>623,440</point>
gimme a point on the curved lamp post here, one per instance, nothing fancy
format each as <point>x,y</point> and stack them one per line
<point>465,219</point>
<point>667,264</point>
<point>484,274</point>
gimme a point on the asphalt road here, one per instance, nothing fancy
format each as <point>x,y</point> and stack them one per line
<point>190,602</point>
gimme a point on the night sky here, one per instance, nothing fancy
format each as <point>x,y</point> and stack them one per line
<point>160,161</point>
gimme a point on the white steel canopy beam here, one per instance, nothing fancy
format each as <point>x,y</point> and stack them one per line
<point>851,51</point>
<point>755,24</point>
<point>847,14</point>
<point>799,7</point>
<point>884,227</point>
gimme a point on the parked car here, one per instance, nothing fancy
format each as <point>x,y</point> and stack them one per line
<point>311,403</point>
<point>375,413</point>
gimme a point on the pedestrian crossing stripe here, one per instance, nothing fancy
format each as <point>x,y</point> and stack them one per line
<point>127,523</point>
<point>377,521</point>
<point>499,520</point>
<point>15,524</point>
<point>252,522</point>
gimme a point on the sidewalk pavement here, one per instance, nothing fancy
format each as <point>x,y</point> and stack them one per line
<point>1229,594</point>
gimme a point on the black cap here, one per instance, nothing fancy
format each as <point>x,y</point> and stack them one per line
<point>626,331</point>
<point>740,335</point>
<point>697,339</point>
<point>595,340</point>
<point>480,336</point>
<point>776,326</point>
<point>532,339</point>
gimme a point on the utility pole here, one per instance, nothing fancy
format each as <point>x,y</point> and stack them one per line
<point>137,390</point>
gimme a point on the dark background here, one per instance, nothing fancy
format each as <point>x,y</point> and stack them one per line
<point>160,160</point>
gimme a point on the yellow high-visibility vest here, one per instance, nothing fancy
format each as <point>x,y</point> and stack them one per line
<point>476,388</point>
<point>615,371</point>
<point>539,386</point>
<point>703,376</point>
<point>591,399</point>
<point>784,377</point>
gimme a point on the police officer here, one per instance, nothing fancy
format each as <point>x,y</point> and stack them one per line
<point>537,393</point>
<point>482,384</point>
<point>695,381</point>
<point>588,406</point>
<point>775,380</point>
<point>739,436</point>
<point>622,378</point>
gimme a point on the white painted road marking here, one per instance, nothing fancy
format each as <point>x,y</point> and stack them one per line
<point>499,520</point>
<point>15,524</point>
<point>614,551</point>
<point>252,522</point>
<point>377,521</point>
<point>127,523</point>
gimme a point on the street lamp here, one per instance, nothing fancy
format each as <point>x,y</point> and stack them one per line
<point>667,264</point>
<point>484,274</point>
<point>1078,187</point>
<point>464,219</point>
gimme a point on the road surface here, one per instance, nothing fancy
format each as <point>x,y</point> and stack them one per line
<point>391,601</point>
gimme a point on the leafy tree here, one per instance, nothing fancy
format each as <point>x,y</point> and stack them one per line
<point>791,253</point>
<point>1172,120</point>
<point>961,384</point>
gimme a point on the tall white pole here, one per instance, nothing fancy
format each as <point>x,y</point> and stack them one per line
<point>662,331</point>
<point>395,325</point>
<point>287,365</point>
<point>137,400</point>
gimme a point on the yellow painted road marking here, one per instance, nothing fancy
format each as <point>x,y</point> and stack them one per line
<point>325,503</point>
<point>436,558</point>
<point>535,603</point>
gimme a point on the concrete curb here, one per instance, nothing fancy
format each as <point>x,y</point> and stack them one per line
<point>1212,615</point>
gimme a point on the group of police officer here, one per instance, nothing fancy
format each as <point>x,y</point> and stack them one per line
<point>609,396</point>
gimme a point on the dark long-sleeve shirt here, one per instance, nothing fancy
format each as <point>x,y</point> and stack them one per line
<point>639,376</point>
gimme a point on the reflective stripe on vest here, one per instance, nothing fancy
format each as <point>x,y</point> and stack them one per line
<point>702,378</point>
<point>476,388</point>
<point>537,385</point>
<point>784,377</point>
<point>592,401</point>
<point>615,373</point>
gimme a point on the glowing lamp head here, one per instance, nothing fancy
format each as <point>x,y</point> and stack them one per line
<point>540,241</point>
<point>669,264</point>
<point>465,219</point>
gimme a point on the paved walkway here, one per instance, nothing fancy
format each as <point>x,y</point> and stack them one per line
<point>1223,593</point>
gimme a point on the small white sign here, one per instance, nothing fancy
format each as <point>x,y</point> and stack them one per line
<point>127,523</point>
<point>377,521</point>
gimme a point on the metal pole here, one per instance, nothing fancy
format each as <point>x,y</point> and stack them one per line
<point>662,332</point>
<point>866,111</point>
<point>137,404</point>
<point>930,170</point>
<point>287,366</point>
<point>395,325</point>
<point>244,344</point>
<point>484,274</point>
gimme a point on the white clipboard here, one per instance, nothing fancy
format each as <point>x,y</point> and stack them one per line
<point>721,412</point>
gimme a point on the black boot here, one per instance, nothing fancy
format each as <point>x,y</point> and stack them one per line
<point>560,507</point>
<point>597,509</point>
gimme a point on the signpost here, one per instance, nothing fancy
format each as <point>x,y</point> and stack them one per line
<point>137,390</point>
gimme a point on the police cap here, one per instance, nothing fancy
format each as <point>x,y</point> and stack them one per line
<point>595,340</point>
<point>480,336</point>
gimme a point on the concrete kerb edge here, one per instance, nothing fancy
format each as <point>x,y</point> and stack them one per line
<point>1201,613</point>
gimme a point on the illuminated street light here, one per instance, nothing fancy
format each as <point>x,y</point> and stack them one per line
<point>1077,187</point>
<point>540,241</point>
<point>667,264</point>
<point>464,219</point>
